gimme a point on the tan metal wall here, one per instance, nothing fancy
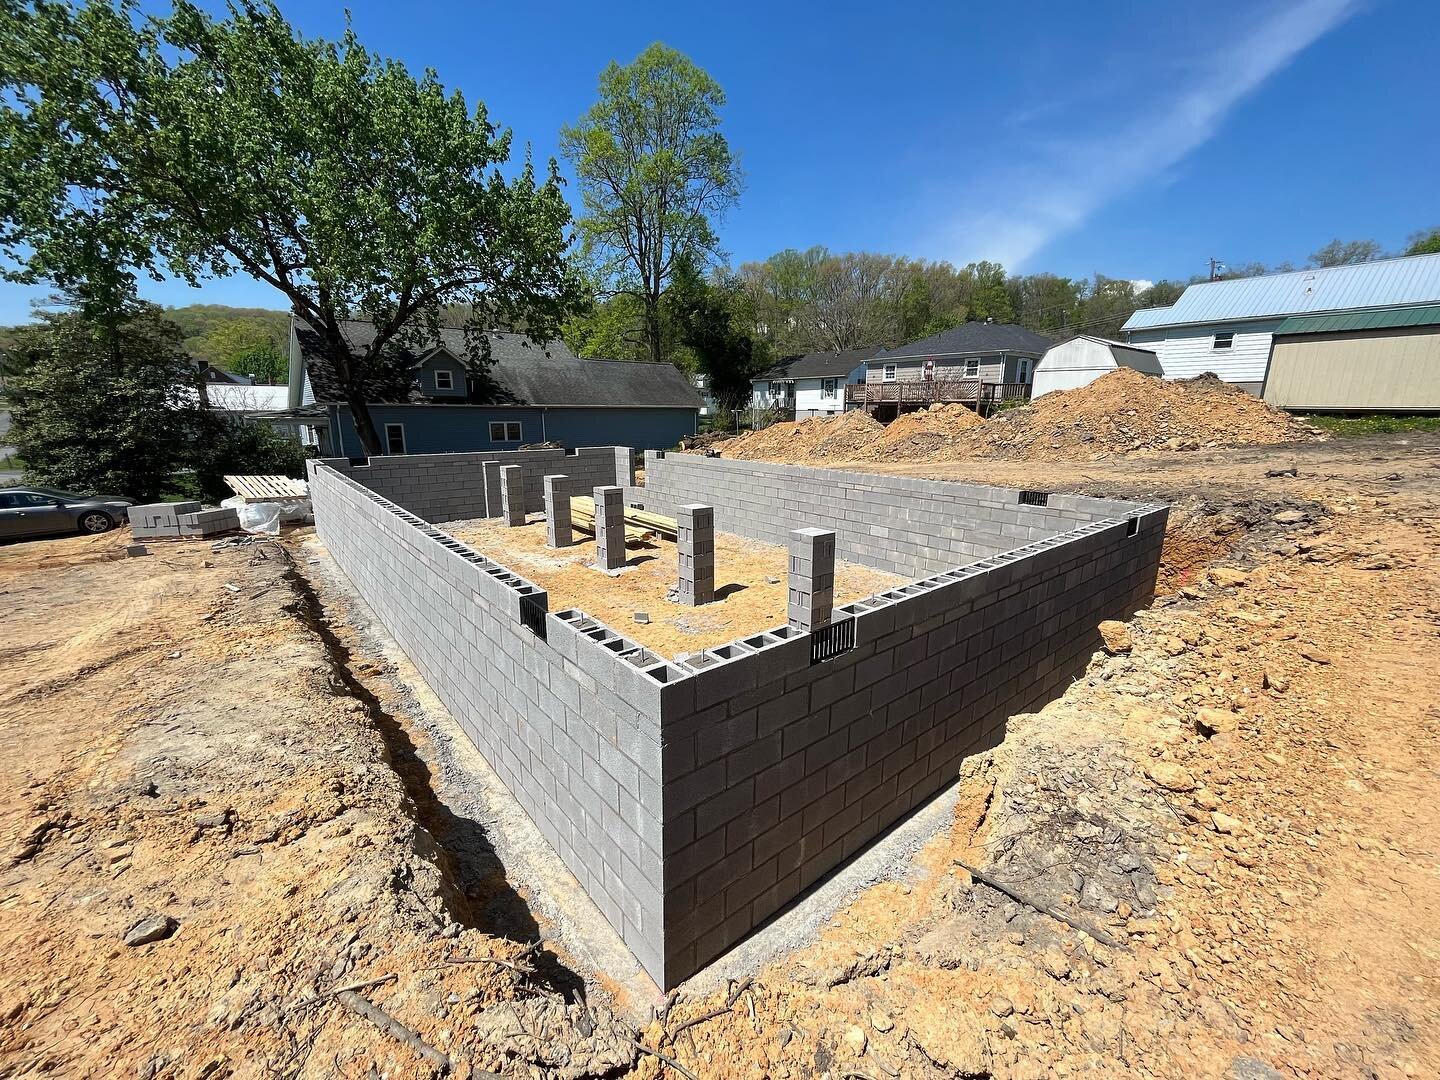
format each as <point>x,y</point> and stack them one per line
<point>1380,370</point>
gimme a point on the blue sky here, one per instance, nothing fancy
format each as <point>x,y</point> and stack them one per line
<point>1134,139</point>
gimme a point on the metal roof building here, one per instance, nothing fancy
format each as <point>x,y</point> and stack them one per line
<point>1228,327</point>
<point>1385,283</point>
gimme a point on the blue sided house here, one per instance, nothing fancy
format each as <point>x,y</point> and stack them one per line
<point>530,394</point>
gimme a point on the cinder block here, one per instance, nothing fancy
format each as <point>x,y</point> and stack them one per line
<point>609,527</point>
<point>558,532</point>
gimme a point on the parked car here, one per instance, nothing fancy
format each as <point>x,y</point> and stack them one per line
<point>37,511</point>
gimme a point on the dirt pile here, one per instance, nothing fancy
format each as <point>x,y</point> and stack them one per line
<point>1126,412</point>
<point>923,435</point>
<point>834,437</point>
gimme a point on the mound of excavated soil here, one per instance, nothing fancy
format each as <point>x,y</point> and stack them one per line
<point>835,437</point>
<point>1126,412</point>
<point>923,435</point>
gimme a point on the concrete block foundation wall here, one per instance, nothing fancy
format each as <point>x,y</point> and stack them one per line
<point>892,523</point>
<point>786,768</point>
<point>450,487</point>
<point>571,727</point>
<point>695,800</point>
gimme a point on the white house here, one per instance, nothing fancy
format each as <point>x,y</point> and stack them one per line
<point>1228,327</point>
<point>1083,359</point>
<point>810,385</point>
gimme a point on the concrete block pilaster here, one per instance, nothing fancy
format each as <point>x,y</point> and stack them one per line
<point>695,553</point>
<point>609,527</point>
<point>558,532</point>
<point>512,494</point>
<point>812,578</point>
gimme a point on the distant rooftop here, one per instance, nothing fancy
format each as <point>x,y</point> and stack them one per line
<point>972,337</point>
<point>1414,279</point>
<point>818,365</point>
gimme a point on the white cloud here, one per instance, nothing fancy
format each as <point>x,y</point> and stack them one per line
<point>1077,177</point>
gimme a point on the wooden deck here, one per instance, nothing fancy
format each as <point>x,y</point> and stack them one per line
<point>904,395</point>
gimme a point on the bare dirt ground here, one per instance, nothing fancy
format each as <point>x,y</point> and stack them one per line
<point>1233,824</point>
<point>750,589</point>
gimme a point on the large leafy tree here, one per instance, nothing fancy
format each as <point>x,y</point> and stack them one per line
<point>195,147</point>
<point>103,405</point>
<point>1346,253</point>
<point>655,173</point>
<point>704,320</point>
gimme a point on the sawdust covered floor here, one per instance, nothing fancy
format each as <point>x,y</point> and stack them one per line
<point>749,583</point>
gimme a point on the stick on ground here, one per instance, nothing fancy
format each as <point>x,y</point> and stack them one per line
<point>385,1022</point>
<point>1102,936</point>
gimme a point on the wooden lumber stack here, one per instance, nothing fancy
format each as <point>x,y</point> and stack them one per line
<point>639,524</point>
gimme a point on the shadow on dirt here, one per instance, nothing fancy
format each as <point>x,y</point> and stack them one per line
<point>489,903</point>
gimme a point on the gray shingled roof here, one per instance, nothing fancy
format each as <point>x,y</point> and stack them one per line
<point>522,373</point>
<point>819,365</point>
<point>972,338</point>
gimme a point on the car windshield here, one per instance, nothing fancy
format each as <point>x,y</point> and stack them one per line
<point>68,496</point>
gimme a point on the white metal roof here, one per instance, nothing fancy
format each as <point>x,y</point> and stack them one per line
<point>1386,283</point>
<point>1150,316</point>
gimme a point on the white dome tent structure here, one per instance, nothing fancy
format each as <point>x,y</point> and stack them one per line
<point>1083,359</point>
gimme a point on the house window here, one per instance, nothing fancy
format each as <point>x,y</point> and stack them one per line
<point>888,373</point>
<point>827,388</point>
<point>972,367</point>
<point>504,430</point>
<point>1024,371</point>
<point>1224,339</point>
<point>395,438</point>
<point>444,379</point>
<point>777,389</point>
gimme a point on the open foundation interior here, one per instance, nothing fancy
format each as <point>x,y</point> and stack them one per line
<point>750,583</point>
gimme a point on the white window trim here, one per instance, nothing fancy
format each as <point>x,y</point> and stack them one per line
<point>404,444</point>
<point>829,388</point>
<point>449,379</point>
<point>1228,335</point>
<point>887,373</point>
<point>504,426</point>
<point>965,366</point>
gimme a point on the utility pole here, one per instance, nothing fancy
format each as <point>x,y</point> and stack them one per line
<point>1215,267</point>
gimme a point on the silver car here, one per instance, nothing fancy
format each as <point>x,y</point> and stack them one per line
<point>37,511</point>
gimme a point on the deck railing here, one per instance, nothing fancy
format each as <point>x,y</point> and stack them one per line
<point>939,391</point>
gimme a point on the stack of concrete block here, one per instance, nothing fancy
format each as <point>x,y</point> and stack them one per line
<point>181,520</point>
<point>609,528</point>
<point>512,494</point>
<point>812,578</point>
<point>558,530</point>
<point>695,553</point>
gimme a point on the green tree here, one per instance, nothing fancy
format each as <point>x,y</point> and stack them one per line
<point>702,314</point>
<point>1426,242</point>
<point>654,174</point>
<point>225,445</point>
<point>990,298</point>
<point>196,147</point>
<point>262,361</point>
<point>103,405</point>
<point>1346,253</point>
<point>609,329</point>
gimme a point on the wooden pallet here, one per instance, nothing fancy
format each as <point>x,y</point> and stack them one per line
<point>639,524</point>
<point>268,488</point>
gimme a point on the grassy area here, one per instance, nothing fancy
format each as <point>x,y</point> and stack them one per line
<point>1378,424</point>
